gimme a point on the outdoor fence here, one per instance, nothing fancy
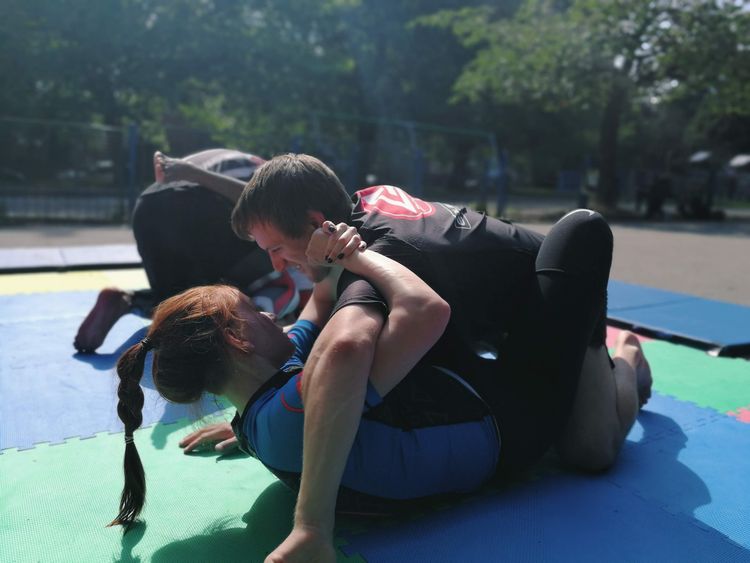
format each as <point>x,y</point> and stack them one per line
<point>52,171</point>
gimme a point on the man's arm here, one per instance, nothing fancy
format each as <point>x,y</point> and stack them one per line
<point>335,380</point>
<point>333,394</point>
<point>318,308</point>
<point>417,317</point>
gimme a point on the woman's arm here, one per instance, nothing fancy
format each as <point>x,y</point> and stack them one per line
<point>318,308</point>
<point>168,169</point>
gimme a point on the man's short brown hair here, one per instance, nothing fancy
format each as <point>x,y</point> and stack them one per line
<point>284,190</point>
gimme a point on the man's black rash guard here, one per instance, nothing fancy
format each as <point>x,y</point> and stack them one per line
<point>480,265</point>
<point>538,302</point>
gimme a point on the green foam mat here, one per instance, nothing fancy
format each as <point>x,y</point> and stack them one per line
<point>57,499</point>
<point>692,375</point>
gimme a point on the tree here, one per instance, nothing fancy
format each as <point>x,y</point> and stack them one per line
<point>605,56</point>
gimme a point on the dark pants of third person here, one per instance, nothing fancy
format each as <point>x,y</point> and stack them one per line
<point>185,239</point>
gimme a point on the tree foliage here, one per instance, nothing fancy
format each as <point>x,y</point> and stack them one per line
<point>552,78</point>
<point>606,57</point>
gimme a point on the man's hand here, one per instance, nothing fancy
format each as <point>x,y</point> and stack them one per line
<point>304,545</point>
<point>220,434</point>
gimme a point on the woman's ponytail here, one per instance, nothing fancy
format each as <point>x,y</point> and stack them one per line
<point>130,410</point>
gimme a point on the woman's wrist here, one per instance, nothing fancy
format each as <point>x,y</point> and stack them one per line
<point>357,262</point>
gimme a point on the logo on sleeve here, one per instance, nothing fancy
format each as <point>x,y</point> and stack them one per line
<point>394,202</point>
<point>460,221</point>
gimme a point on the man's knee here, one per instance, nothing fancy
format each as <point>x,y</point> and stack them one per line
<point>578,243</point>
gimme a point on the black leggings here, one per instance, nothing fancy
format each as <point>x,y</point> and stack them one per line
<point>532,385</point>
<point>185,239</point>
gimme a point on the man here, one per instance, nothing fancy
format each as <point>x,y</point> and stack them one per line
<point>184,237</point>
<point>537,306</point>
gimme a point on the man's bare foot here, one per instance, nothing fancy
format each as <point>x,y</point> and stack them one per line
<point>168,169</point>
<point>628,347</point>
<point>111,304</point>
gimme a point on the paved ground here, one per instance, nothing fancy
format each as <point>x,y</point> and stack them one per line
<point>709,259</point>
<point>706,259</point>
<point>30,236</point>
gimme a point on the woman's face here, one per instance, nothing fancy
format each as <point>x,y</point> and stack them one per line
<point>261,332</point>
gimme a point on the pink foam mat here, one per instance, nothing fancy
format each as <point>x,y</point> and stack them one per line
<point>612,333</point>
<point>742,414</point>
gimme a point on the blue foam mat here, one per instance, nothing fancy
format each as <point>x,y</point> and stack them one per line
<point>48,392</point>
<point>679,492</point>
<point>716,323</point>
<point>622,296</point>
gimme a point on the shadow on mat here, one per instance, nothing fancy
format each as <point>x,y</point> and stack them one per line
<point>268,522</point>
<point>654,469</point>
<point>197,415</point>
<point>129,541</point>
<point>104,362</point>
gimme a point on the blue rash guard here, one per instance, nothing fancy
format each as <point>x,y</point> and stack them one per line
<point>410,443</point>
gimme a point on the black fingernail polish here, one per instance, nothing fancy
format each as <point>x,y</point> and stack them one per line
<point>328,260</point>
<point>331,228</point>
<point>340,256</point>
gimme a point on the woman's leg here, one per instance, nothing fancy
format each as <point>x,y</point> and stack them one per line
<point>606,404</point>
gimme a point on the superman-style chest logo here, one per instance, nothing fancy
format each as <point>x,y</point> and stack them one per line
<point>394,202</point>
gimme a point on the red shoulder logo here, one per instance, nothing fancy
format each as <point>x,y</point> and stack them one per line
<point>394,202</point>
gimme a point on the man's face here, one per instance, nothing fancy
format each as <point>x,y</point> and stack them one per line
<point>286,252</point>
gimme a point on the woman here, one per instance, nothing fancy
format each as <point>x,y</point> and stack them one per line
<point>211,339</point>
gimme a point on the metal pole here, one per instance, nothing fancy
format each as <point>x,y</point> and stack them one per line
<point>498,175</point>
<point>132,166</point>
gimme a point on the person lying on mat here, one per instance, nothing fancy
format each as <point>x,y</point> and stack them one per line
<point>184,237</point>
<point>422,430</point>
<point>509,292</point>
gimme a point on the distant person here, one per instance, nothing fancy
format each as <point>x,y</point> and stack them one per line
<point>183,232</point>
<point>658,192</point>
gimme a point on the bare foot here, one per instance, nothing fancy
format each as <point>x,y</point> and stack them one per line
<point>159,167</point>
<point>111,304</point>
<point>629,348</point>
<point>168,169</point>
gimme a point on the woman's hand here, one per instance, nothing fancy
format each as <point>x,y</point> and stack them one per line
<point>220,436</point>
<point>333,242</point>
<point>304,545</point>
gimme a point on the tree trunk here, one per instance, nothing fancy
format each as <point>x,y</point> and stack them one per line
<point>609,128</point>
